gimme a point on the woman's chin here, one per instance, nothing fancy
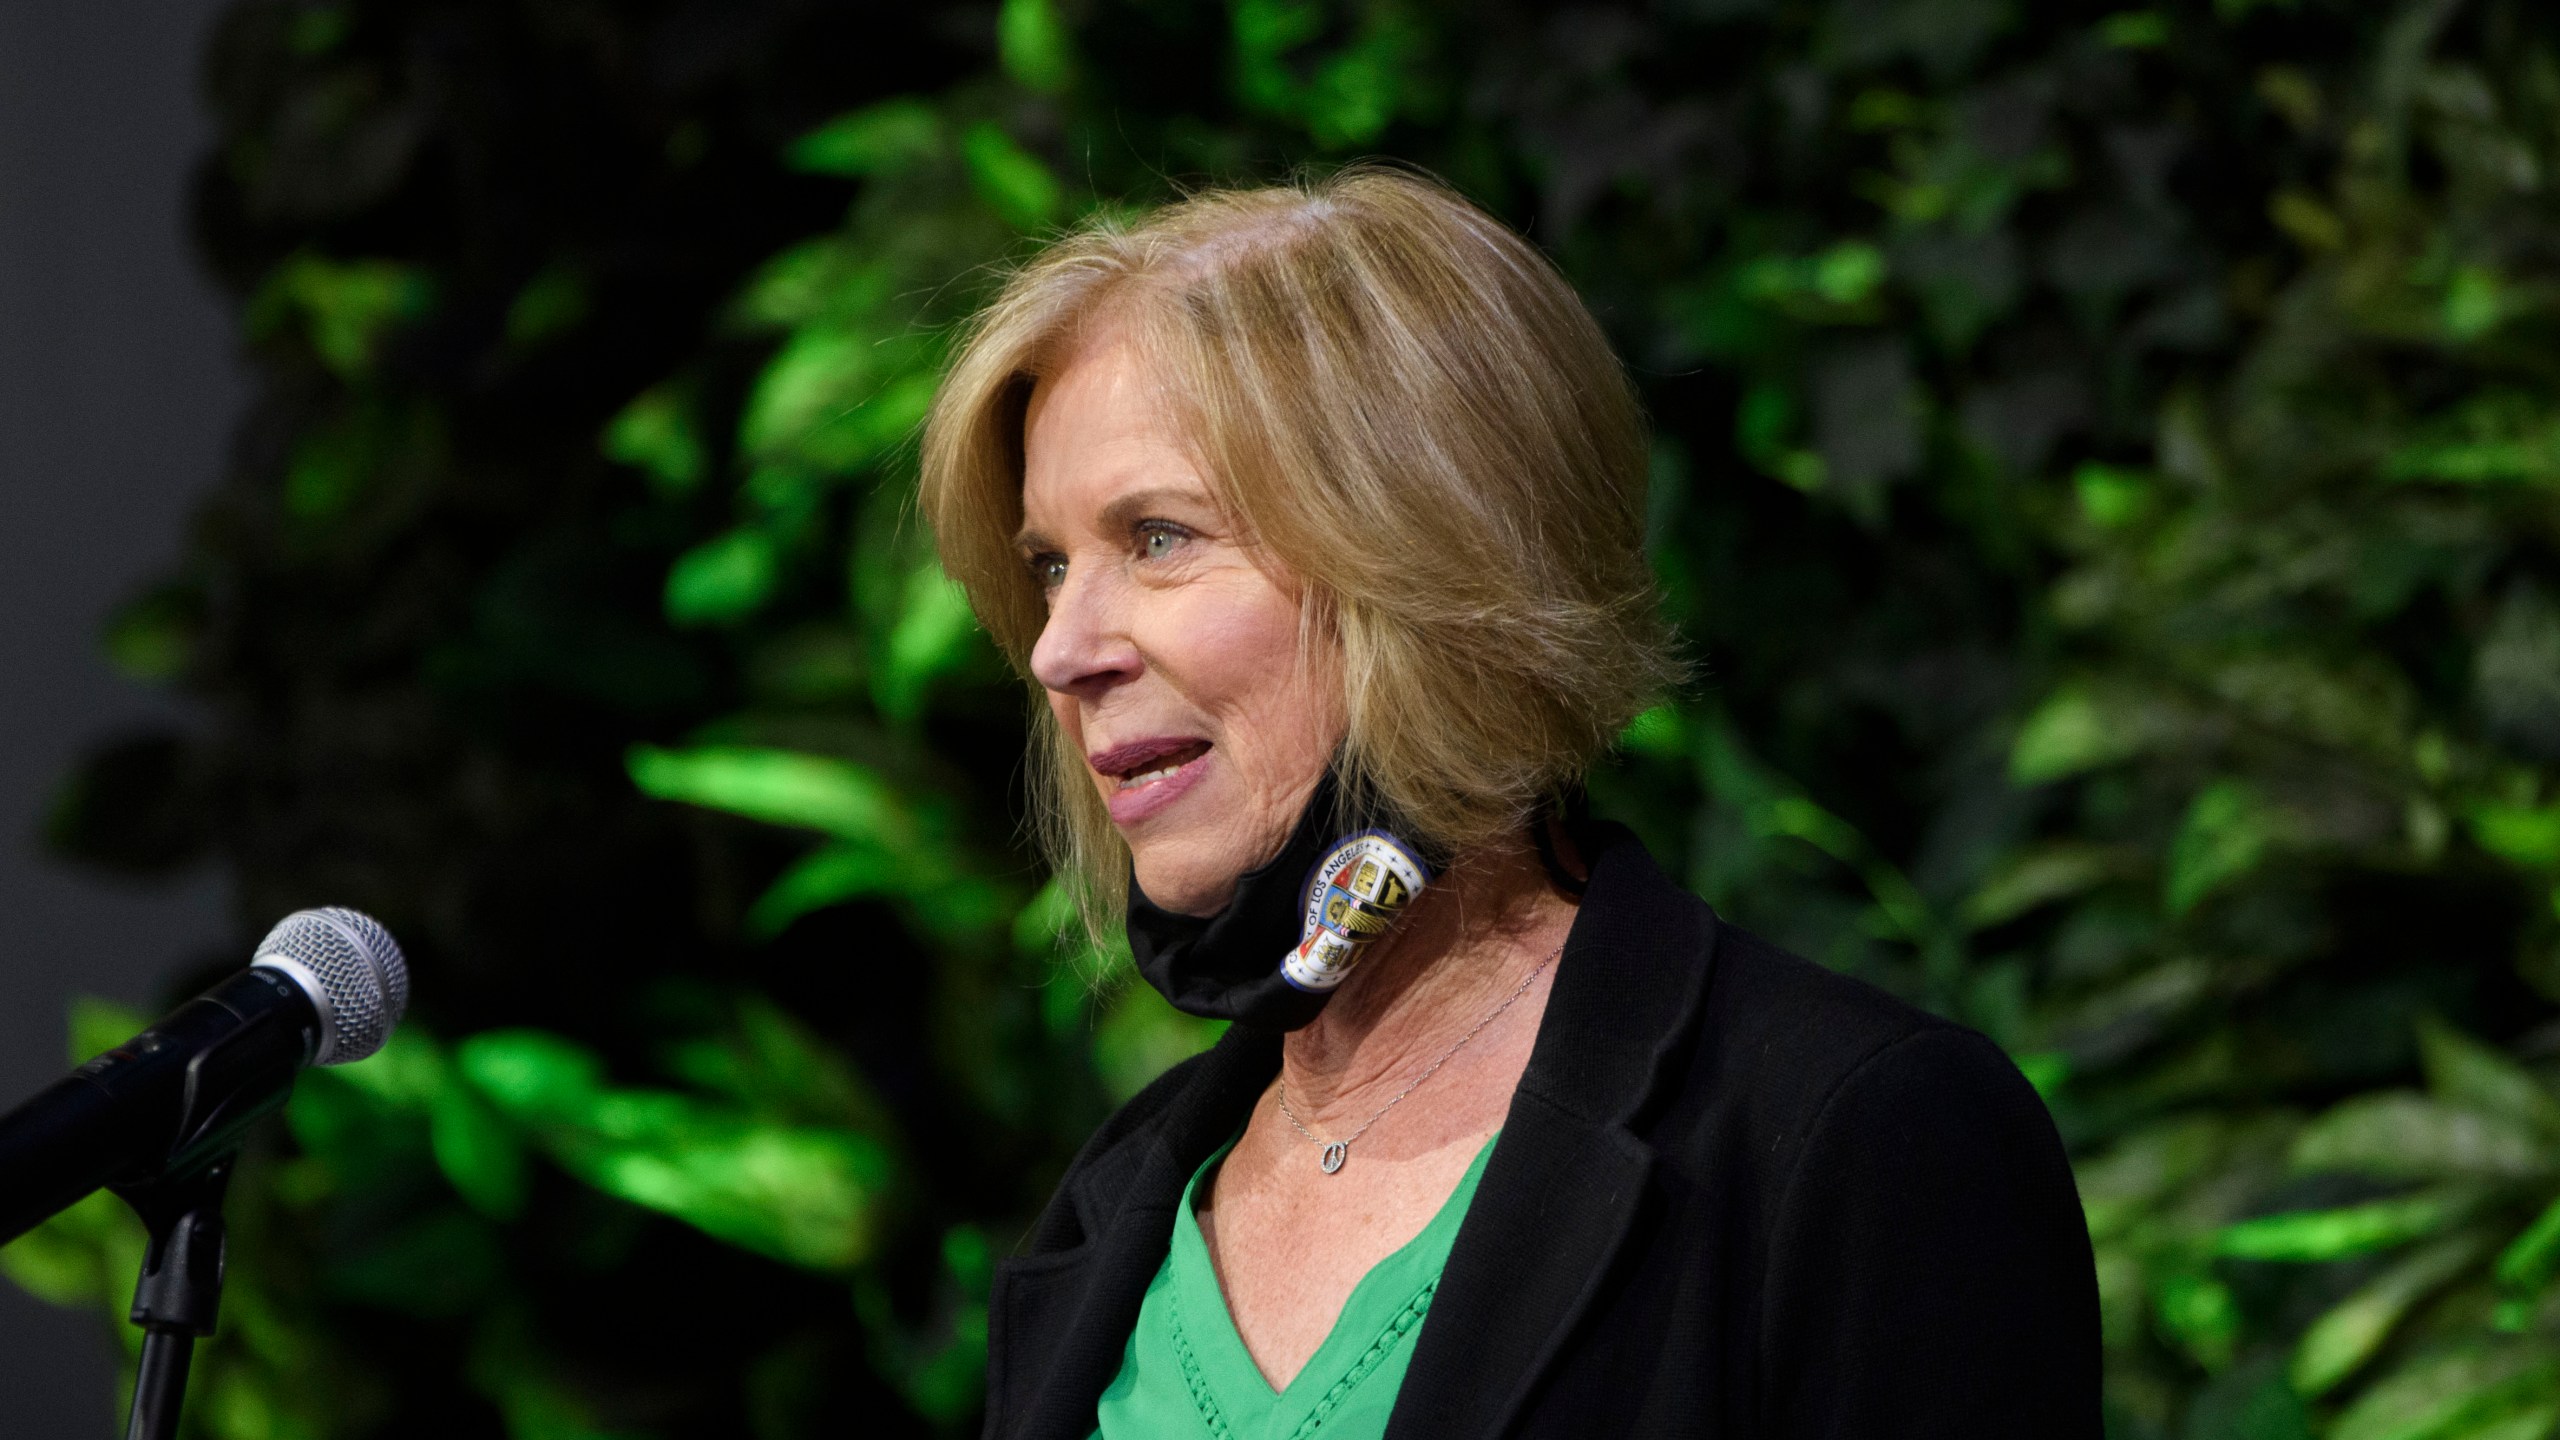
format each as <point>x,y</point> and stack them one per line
<point>1189,870</point>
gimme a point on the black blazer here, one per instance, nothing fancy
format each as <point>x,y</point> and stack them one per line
<point>1737,1195</point>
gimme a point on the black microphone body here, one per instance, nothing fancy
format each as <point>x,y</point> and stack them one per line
<point>179,1094</point>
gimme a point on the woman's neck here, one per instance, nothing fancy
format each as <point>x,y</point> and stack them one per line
<point>1466,946</point>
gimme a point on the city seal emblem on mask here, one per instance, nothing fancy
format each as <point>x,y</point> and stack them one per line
<point>1296,924</point>
<point>1352,896</point>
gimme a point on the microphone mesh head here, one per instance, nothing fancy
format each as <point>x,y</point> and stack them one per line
<point>362,979</point>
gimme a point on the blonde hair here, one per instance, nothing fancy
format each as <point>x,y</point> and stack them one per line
<point>1406,408</point>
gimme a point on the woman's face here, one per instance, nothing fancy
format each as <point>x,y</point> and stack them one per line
<point>1171,651</point>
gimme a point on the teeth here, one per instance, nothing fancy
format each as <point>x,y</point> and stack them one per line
<point>1134,781</point>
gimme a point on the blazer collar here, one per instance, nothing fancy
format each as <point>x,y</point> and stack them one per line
<point>1548,1216</point>
<point>1627,988</point>
<point>1564,1185</point>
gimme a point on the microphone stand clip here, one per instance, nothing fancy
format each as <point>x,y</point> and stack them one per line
<point>180,1288</point>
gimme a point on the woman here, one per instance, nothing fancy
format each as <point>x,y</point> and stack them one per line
<point>1315,514</point>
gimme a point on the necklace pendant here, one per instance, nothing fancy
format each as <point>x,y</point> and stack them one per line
<point>1334,1155</point>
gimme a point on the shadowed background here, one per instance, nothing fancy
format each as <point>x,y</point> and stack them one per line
<point>117,390</point>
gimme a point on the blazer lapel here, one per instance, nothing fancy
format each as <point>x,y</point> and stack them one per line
<point>1569,1177</point>
<point>1084,1300</point>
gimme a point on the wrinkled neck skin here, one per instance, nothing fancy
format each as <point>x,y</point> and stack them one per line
<point>1466,944</point>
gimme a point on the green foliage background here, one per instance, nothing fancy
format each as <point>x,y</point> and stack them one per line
<point>2106,469</point>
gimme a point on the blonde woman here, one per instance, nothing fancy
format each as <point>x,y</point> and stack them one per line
<point>1314,515</point>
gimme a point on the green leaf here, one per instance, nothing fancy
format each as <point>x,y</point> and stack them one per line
<point>2316,1235</point>
<point>2462,1071</point>
<point>2248,1401</point>
<point>779,787</point>
<point>2527,1261</point>
<point>655,433</point>
<point>477,1151</point>
<point>99,1025</point>
<point>1014,184</point>
<point>936,634</point>
<point>1658,732</point>
<point>346,308</point>
<point>880,140</point>
<point>1819,287</point>
<point>2532,1422</point>
<point>1044,921</point>
<point>2448,1395</point>
<point>819,375</point>
<point>1344,99</point>
<point>726,578</point>
<point>2495,435</point>
<point>1265,31</point>
<point>2313,226</point>
<point>1848,273</point>
<point>779,1070</point>
<point>837,400</point>
<point>84,1257</point>
<point>2114,498</point>
<point>532,1075</point>
<point>940,1369</point>
<point>2135,30</point>
<point>551,303</point>
<point>328,473</point>
<point>868,428</point>
<point>2071,732</point>
<point>1767,424</point>
<point>1899,904</point>
<point>2120,1185</point>
<point>801,1194</point>
<point>2473,302</point>
<point>405,1074</point>
<point>2200,1313</point>
<point>2046,1070</point>
<point>1141,1037</point>
<point>831,875</point>
<point>2398,1135</point>
<point>2350,1332</point>
<point>825,280</point>
<point>1032,44</point>
<point>2226,832</point>
<point>2527,836</point>
<point>2040,877</point>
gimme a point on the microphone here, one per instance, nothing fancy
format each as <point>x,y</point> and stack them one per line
<point>325,987</point>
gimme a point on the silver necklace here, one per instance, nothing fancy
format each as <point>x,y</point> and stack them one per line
<point>1338,1152</point>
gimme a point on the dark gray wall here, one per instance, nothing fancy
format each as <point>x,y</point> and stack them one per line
<point>117,388</point>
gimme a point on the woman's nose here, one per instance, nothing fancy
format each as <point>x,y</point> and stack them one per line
<point>1085,648</point>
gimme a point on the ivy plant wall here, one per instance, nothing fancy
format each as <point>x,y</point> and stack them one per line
<point>2105,469</point>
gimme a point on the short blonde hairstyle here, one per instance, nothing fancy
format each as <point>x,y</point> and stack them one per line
<point>1408,410</point>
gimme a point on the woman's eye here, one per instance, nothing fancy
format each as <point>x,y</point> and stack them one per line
<point>1049,570</point>
<point>1157,539</point>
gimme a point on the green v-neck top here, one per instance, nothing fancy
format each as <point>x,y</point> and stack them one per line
<point>1186,1372</point>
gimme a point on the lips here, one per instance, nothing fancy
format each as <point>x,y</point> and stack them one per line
<point>1150,774</point>
<point>1139,757</point>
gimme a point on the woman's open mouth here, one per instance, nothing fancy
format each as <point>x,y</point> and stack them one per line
<point>1148,775</point>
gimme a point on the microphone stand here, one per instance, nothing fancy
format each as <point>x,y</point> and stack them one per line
<point>180,1287</point>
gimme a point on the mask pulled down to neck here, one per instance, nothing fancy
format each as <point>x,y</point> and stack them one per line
<point>1296,925</point>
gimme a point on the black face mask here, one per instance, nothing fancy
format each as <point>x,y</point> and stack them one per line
<point>1296,926</point>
